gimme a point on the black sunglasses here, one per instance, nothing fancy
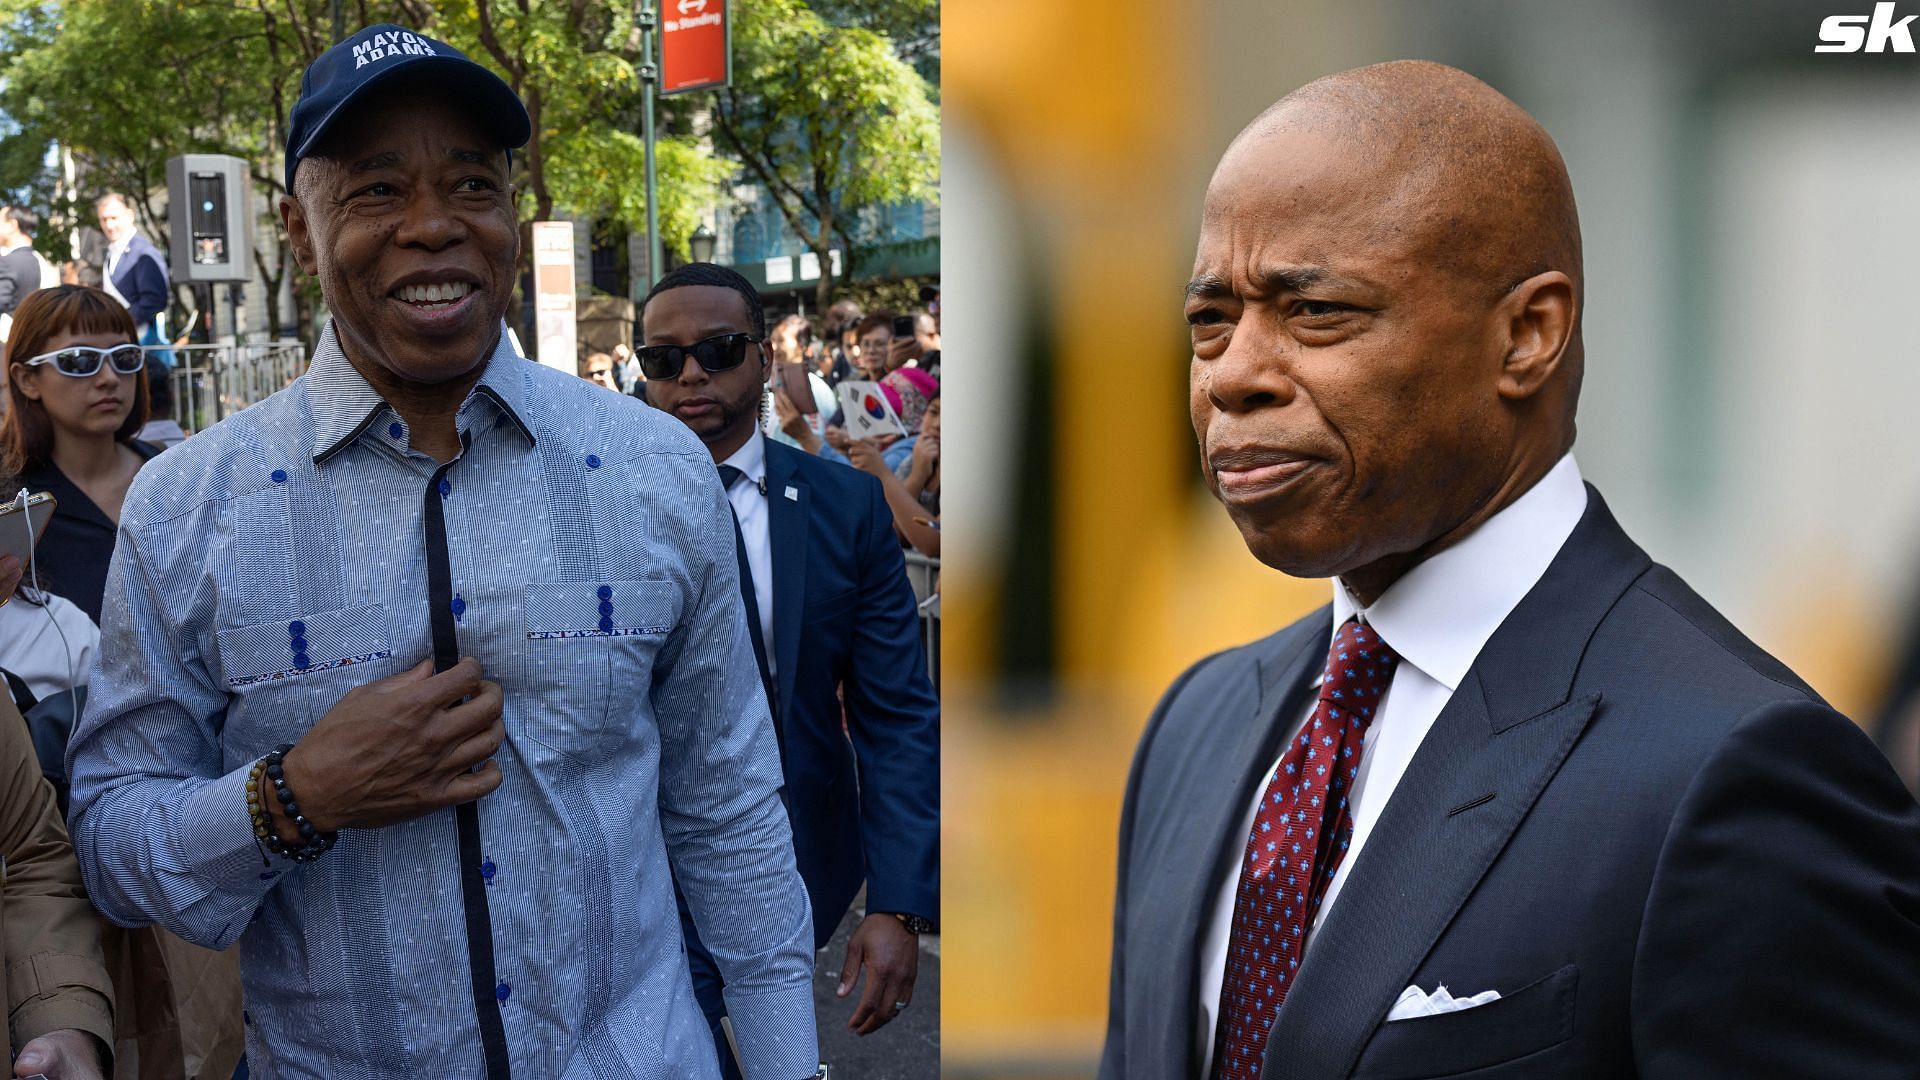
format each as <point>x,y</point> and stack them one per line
<point>722,353</point>
<point>83,361</point>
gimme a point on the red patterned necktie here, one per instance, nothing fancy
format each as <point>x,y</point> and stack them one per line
<point>1299,836</point>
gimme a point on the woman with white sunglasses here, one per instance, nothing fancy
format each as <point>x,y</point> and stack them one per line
<point>78,393</point>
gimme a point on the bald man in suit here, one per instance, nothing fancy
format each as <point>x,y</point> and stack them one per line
<point>1518,803</point>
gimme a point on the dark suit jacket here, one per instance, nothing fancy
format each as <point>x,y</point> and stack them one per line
<point>845,622</point>
<point>19,275</point>
<point>72,555</point>
<point>1669,856</point>
<point>141,277</point>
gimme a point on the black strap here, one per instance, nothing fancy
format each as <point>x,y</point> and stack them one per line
<point>23,696</point>
<point>466,816</point>
<point>728,477</point>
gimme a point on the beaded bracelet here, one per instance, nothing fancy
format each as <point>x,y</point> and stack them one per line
<point>262,821</point>
<point>315,843</point>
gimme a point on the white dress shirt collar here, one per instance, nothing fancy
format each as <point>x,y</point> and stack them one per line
<point>755,515</point>
<point>751,458</point>
<point>114,254</point>
<point>1440,614</point>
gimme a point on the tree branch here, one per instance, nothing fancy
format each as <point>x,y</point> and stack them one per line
<point>272,279</point>
<point>308,45</point>
<point>773,182</point>
<point>491,39</point>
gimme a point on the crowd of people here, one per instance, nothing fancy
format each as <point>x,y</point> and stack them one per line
<point>139,685</point>
<point>899,354</point>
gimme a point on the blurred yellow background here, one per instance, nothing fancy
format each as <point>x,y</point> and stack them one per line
<point>1750,235</point>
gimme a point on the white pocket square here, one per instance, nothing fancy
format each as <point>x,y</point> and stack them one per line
<point>1414,1002</point>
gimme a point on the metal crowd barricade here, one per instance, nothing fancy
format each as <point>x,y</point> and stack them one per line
<point>211,381</point>
<point>924,572</point>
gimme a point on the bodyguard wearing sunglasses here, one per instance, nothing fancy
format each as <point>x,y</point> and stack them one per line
<point>425,677</point>
<point>834,623</point>
<point>78,397</point>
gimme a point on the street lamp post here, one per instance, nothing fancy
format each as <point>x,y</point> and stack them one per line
<point>649,76</point>
<point>700,245</point>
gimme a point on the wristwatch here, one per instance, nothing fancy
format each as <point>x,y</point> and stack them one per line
<point>915,924</point>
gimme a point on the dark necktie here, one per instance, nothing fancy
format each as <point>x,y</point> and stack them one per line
<point>730,476</point>
<point>488,994</point>
<point>1299,836</point>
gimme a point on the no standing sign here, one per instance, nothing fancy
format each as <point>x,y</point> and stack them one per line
<point>693,45</point>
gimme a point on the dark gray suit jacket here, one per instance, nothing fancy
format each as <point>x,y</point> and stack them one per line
<point>1667,853</point>
<point>19,275</point>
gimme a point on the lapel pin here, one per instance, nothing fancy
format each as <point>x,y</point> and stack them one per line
<point>793,493</point>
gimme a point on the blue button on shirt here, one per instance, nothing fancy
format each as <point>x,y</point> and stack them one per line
<point>637,742</point>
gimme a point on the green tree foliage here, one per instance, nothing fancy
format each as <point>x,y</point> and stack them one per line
<point>125,85</point>
<point>577,66</point>
<point>913,26</point>
<point>828,117</point>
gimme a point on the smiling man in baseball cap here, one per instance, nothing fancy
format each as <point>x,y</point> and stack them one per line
<point>463,684</point>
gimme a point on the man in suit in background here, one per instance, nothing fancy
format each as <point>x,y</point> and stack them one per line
<point>136,272</point>
<point>1517,758</point>
<point>22,269</point>
<point>833,621</point>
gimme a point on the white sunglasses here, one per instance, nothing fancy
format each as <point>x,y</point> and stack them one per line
<point>83,361</point>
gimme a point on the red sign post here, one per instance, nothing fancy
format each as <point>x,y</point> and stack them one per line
<point>693,45</point>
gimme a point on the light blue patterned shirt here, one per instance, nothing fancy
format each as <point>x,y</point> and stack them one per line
<point>271,563</point>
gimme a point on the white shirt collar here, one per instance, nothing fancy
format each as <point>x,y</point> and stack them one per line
<point>751,458</point>
<point>1440,614</point>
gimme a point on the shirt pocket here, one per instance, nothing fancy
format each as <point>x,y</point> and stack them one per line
<point>589,658</point>
<point>279,670</point>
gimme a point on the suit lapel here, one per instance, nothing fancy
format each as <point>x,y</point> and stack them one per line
<point>787,523</point>
<point>1211,841</point>
<point>1427,852</point>
<point>1489,754</point>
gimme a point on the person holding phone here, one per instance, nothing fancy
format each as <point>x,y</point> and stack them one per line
<point>792,384</point>
<point>79,397</point>
<point>915,343</point>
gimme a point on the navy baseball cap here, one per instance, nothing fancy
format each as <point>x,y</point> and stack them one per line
<point>358,65</point>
